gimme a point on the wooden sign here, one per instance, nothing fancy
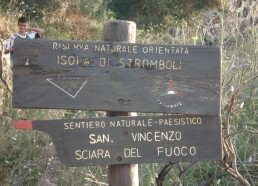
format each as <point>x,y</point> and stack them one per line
<point>116,76</point>
<point>129,140</point>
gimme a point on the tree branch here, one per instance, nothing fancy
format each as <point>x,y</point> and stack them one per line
<point>228,147</point>
<point>163,173</point>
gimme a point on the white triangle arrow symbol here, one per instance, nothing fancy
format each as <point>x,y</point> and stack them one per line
<point>50,80</point>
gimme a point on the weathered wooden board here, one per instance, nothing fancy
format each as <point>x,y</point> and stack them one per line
<point>117,76</point>
<point>129,140</point>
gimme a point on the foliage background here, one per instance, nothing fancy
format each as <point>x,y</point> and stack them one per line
<point>29,157</point>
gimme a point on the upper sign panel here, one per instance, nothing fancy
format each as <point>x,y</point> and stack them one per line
<point>116,76</point>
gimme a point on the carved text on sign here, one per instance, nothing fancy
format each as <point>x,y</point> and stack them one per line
<point>142,139</point>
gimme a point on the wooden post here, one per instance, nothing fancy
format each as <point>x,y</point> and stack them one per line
<point>125,31</point>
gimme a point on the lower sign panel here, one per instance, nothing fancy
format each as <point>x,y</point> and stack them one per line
<point>129,140</point>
